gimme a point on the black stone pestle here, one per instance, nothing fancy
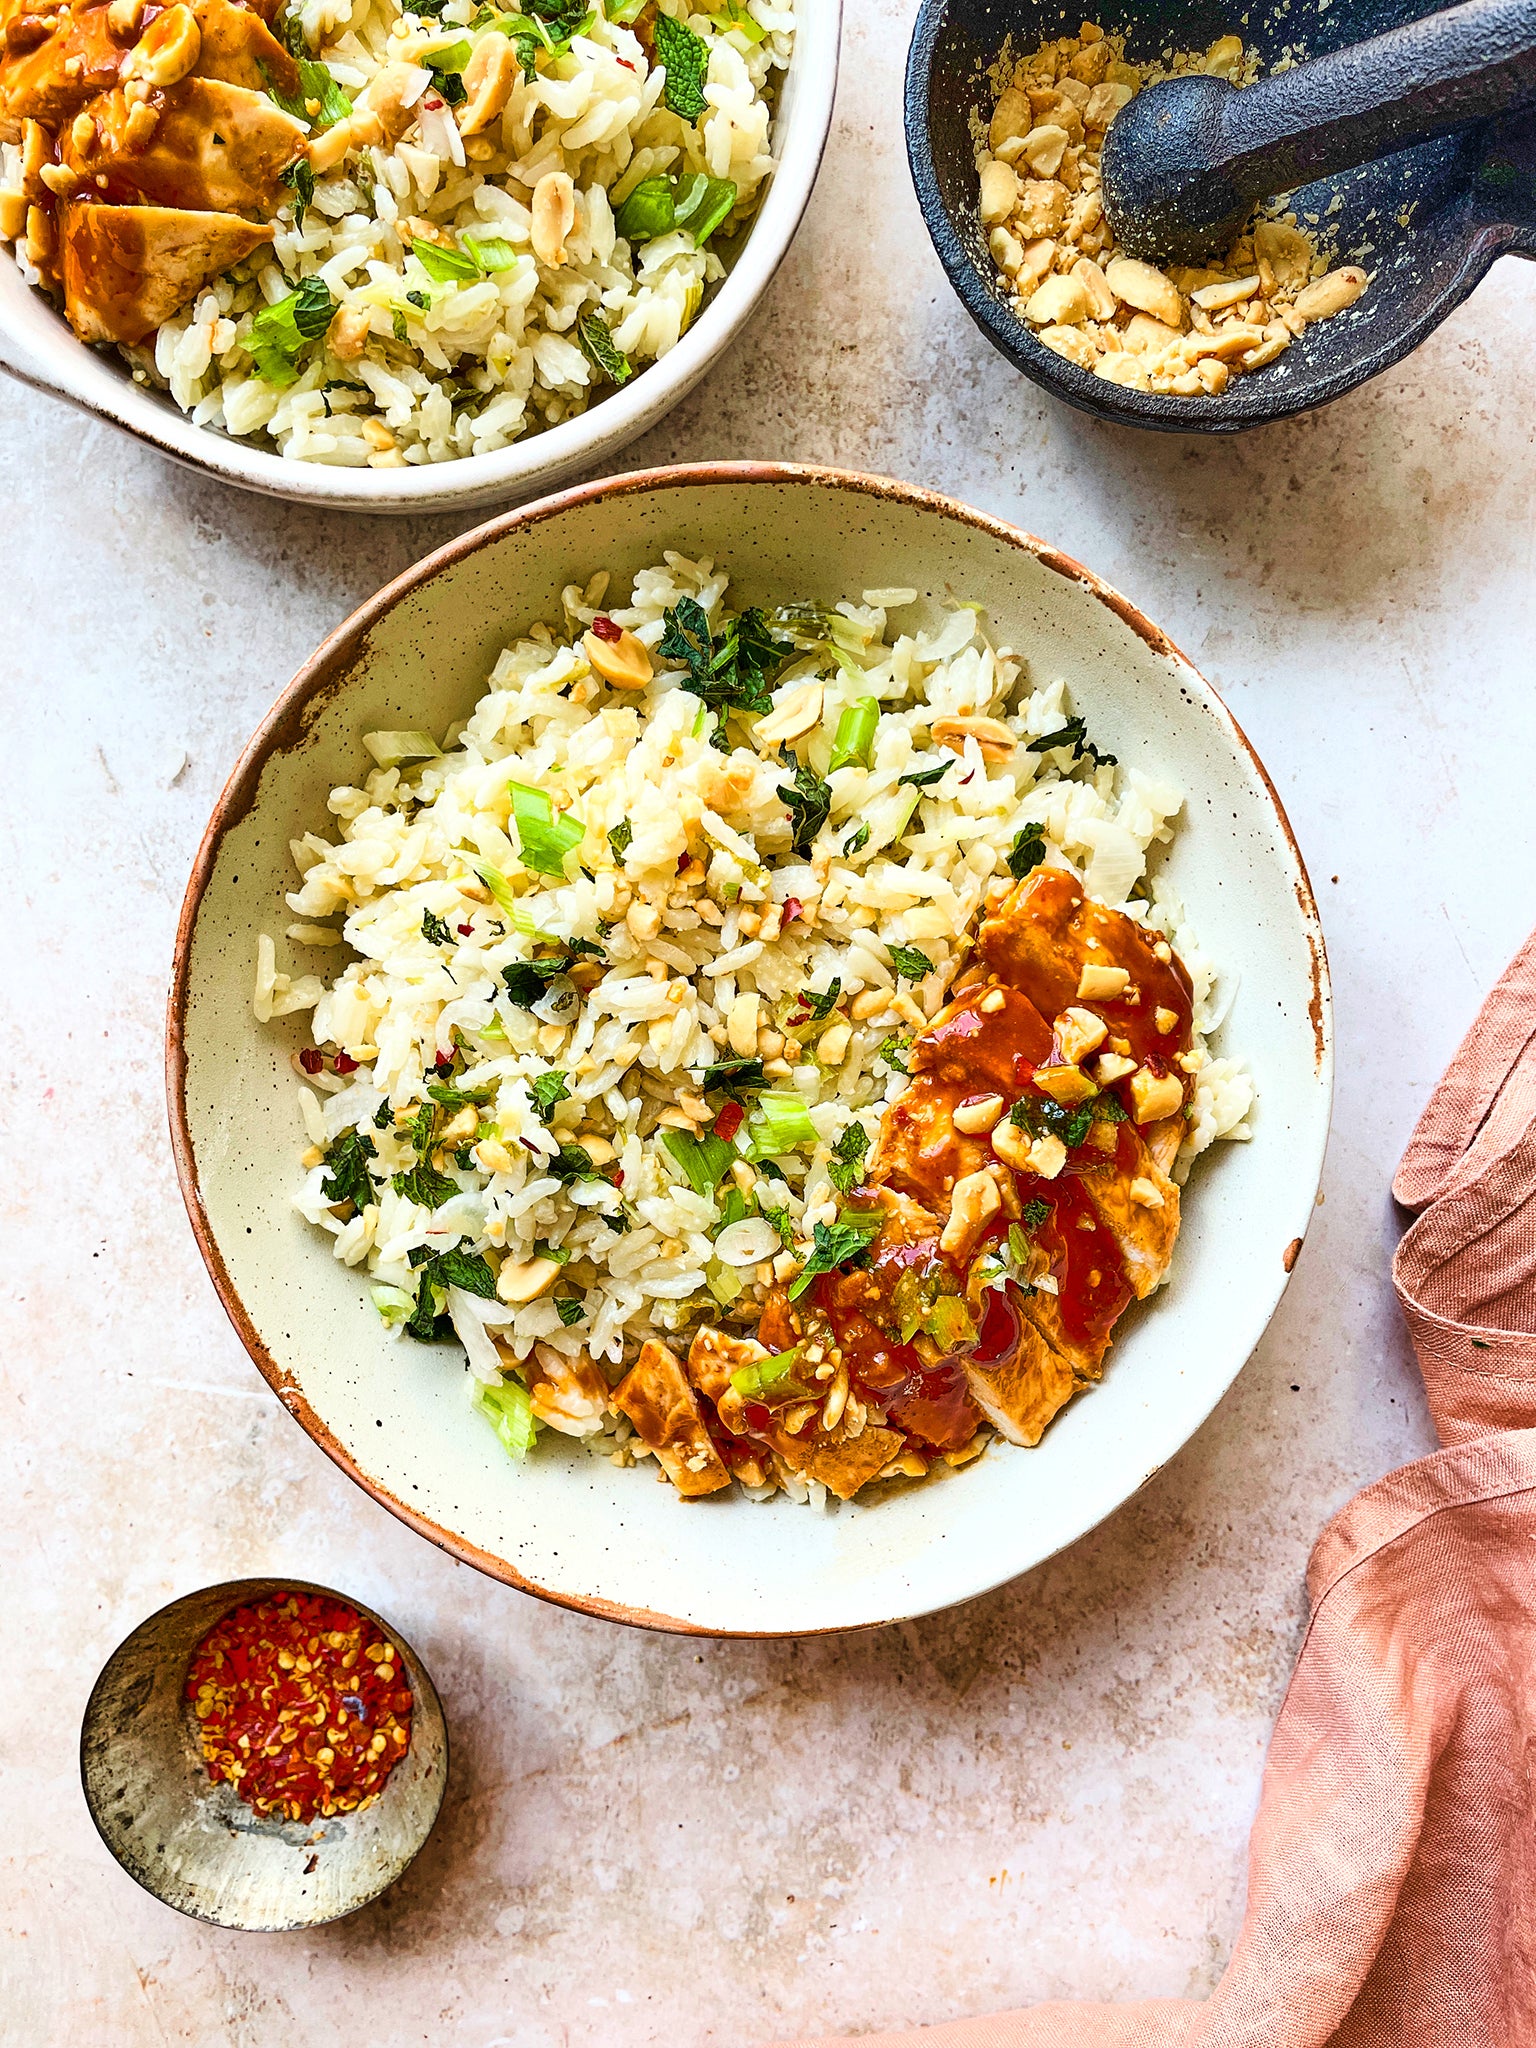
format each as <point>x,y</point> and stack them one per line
<point>1185,161</point>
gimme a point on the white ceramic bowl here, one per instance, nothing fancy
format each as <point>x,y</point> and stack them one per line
<point>38,348</point>
<point>396,1416</point>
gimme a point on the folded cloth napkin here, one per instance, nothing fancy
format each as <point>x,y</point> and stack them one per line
<point>1392,1866</point>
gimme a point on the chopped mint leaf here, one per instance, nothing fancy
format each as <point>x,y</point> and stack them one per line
<point>435,930</point>
<point>822,1006</point>
<point>547,1090</point>
<point>570,1309</point>
<point>893,1050</point>
<point>835,1245</point>
<point>686,57</point>
<point>1027,850</point>
<point>847,1161</point>
<point>426,1185</point>
<point>597,345</point>
<point>620,838</point>
<point>810,801</point>
<point>278,333</point>
<point>909,963</point>
<point>856,842</point>
<point>348,1179</point>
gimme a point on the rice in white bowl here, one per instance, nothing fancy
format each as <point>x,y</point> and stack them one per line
<point>463,365</point>
<point>695,932</point>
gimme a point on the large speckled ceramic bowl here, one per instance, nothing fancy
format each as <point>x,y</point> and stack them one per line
<point>570,1527</point>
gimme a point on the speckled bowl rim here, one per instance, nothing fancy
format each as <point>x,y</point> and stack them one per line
<point>331,667</point>
<point>259,1586</point>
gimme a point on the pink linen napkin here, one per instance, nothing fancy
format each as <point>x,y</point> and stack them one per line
<point>1392,1866</point>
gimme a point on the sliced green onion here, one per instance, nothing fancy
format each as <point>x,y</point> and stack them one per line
<point>492,253</point>
<point>725,1283</point>
<point>705,1161</point>
<point>733,1209</point>
<point>510,1413</point>
<point>397,749</point>
<point>393,1303</point>
<point>702,203</point>
<point>1018,1246</point>
<point>780,1123</point>
<point>543,841</point>
<point>855,735</point>
<point>648,212</point>
<point>764,1372</point>
<point>949,1323</point>
<point>500,888</point>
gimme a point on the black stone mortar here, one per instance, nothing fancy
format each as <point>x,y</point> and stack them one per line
<point>1467,198</point>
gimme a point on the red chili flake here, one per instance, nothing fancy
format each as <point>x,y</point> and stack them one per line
<point>444,1065</point>
<point>792,909</point>
<point>729,1121</point>
<point>683,859</point>
<point>801,1017</point>
<point>630,67</point>
<point>312,1060</point>
<point>301,1705</point>
<point>344,1063</point>
<point>433,102</point>
<point>466,931</point>
<point>604,627</point>
<point>618,1176</point>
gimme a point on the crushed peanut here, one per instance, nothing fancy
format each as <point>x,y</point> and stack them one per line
<point>1186,332</point>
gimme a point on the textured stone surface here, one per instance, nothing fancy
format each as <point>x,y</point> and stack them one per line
<point>647,1840</point>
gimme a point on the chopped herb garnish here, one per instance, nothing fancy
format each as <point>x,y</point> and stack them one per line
<point>737,1077</point>
<point>597,346</point>
<point>909,963</point>
<point>1073,734</point>
<point>315,82</point>
<point>780,1219</point>
<point>570,1309</point>
<point>686,57</point>
<point>856,842</point>
<point>456,1098</point>
<point>573,1162</point>
<point>423,1124</point>
<point>821,1007</point>
<point>1034,1213</point>
<point>893,1050</point>
<point>347,1180</point>
<point>620,838</point>
<point>424,1184</point>
<point>836,1245</point>
<point>547,1090</point>
<point>1042,1116</point>
<point>1027,850</point>
<point>847,1162</point>
<point>383,1116</point>
<point>924,778</point>
<point>442,264</point>
<point>435,930</point>
<point>509,1410</point>
<point>733,1209</point>
<point>278,333</point>
<point>729,670</point>
<point>469,1270</point>
<point>810,801</point>
<point>300,180</point>
<point>1110,1109</point>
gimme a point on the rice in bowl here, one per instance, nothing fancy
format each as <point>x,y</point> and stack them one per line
<point>495,217</point>
<point>638,971</point>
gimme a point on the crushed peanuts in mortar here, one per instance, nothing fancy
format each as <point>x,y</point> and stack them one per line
<point>1188,331</point>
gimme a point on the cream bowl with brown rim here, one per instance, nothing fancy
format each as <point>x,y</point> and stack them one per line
<point>568,1526</point>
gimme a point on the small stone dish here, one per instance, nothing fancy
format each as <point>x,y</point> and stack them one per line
<point>195,1845</point>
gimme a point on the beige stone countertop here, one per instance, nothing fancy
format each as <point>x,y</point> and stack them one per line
<point>646,1840</point>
